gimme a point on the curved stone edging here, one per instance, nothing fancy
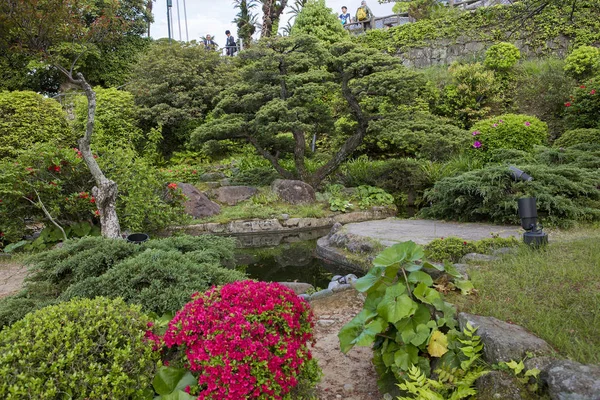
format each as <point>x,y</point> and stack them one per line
<point>274,225</point>
<point>337,256</point>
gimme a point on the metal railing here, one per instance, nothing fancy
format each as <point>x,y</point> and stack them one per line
<point>226,51</point>
<point>390,21</point>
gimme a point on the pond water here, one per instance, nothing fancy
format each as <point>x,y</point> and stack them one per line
<point>286,258</point>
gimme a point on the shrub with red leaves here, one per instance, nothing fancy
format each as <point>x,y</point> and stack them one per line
<point>244,340</point>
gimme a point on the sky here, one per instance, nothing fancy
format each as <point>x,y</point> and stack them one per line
<point>214,17</point>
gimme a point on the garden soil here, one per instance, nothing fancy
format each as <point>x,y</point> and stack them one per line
<point>11,277</point>
<point>345,376</point>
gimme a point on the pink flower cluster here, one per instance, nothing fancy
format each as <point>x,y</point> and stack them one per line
<point>245,340</point>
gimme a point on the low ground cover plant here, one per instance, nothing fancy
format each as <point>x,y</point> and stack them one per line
<point>454,248</point>
<point>244,340</point>
<point>86,348</point>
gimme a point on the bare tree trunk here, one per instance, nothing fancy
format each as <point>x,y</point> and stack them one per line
<point>271,14</point>
<point>350,144</point>
<point>106,190</point>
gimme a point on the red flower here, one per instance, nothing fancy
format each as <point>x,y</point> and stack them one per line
<point>465,243</point>
<point>93,200</point>
<point>593,91</point>
<point>568,104</point>
<point>97,213</point>
<point>52,183</point>
<point>54,168</point>
<point>83,195</point>
<point>582,87</point>
<point>172,186</point>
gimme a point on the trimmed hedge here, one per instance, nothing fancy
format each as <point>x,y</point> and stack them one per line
<point>84,349</point>
<point>27,118</point>
<point>578,136</point>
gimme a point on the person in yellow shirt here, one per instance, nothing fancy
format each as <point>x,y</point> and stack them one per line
<point>364,15</point>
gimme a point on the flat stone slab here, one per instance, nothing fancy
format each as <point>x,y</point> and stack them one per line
<point>392,230</point>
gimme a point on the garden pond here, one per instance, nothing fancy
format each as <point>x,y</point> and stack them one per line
<point>286,258</point>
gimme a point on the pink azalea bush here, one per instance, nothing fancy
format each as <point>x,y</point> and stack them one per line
<point>244,340</point>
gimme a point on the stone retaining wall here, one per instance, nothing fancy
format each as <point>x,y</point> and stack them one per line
<point>274,225</point>
<point>446,51</point>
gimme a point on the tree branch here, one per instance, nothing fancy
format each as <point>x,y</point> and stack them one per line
<point>46,212</point>
<point>282,171</point>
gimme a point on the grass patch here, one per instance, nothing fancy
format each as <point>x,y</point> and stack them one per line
<point>266,204</point>
<point>553,292</point>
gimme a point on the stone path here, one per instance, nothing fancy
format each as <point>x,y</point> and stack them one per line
<point>390,231</point>
<point>11,277</point>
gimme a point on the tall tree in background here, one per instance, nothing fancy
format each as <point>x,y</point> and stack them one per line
<point>246,20</point>
<point>272,10</point>
<point>318,20</point>
<point>59,33</point>
<point>295,9</point>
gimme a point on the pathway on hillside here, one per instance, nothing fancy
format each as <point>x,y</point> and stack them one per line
<point>11,277</point>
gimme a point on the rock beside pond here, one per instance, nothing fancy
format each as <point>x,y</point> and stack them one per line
<point>197,204</point>
<point>503,341</point>
<point>298,287</point>
<point>293,192</point>
<point>232,195</point>
<point>569,380</point>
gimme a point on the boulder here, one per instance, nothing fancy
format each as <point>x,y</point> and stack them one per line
<point>298,287</point>
<point>211,176</point>
<point>232,195</point>
<point>569,380</point>
<point>503,341</point>
<point>197,204</point>
<point>293,192</point>
<point>497,385</point>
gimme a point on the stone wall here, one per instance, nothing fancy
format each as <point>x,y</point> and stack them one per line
<point>446,51</point>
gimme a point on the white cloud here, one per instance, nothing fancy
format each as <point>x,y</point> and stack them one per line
<point>214,17</point>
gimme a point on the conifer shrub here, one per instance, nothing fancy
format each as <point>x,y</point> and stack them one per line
<point>578,136</point>
<point>508,131</point>
<point>160,274</point>
<point>160,281</point>
<point>27,118</point>
<point>258,176</point>
<point>565,194</point>
<point>84,349</point>
<point>245,340</point>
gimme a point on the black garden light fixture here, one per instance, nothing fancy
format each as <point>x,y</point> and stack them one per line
<point>534,234</point>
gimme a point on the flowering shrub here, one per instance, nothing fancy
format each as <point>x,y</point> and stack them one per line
<point>245,340</point>
<point>508,131</point>
<point>583,107</point>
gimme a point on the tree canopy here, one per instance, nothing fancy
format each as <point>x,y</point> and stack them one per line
<point>292,88</point>
<point>316,19</point>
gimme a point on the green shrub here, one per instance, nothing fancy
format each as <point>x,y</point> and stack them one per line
<point>160,281</point>
<point>79,263</point>
<point>115,124</point>
<point>578,136</point>
<point>453,248</point>
<point>94,349</point>
<point>471,94</point>
<point>583,61</point>
<point>583,108</point>
<point>508,131</point>
<point>419,135</point>
<point>259,176</point>
<point>565,194</point>
<point>541,85</point>
<point>27,118</point>
<point>502,56</point>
